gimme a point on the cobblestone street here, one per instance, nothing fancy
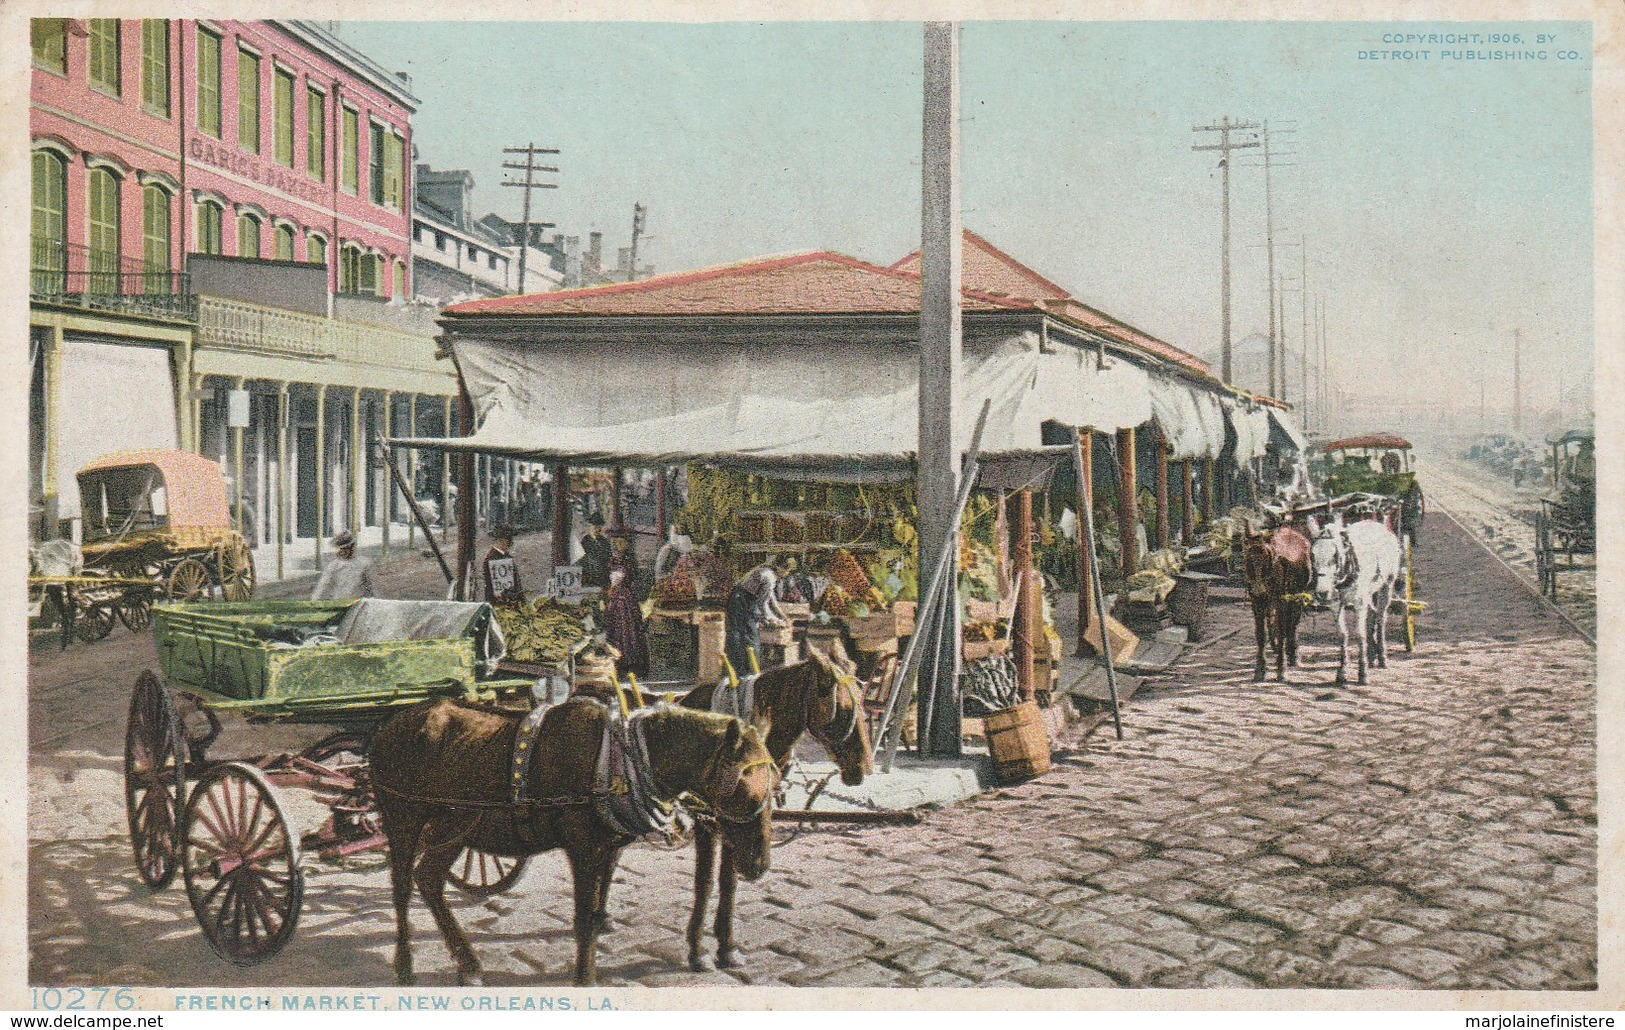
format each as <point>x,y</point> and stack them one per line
<point>1435,828</point>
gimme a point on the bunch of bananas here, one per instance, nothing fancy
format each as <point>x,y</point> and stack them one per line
<point>541,632</point>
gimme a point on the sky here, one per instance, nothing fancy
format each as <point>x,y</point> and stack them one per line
<point>1442,203</point>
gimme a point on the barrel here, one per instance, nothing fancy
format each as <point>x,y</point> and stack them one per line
<point>1018,742</point>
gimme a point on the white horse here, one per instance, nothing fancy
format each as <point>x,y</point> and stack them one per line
<point>1355,569</point>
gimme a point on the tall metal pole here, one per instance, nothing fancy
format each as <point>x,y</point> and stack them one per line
<point>1224,146</point>
<point>1303,302</point>
<point>940,350</point>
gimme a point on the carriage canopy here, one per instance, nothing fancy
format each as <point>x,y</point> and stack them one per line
<point>1371,441</point>
<point>138,491</point>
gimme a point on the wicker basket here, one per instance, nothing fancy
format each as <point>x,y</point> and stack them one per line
<point>1018,742</point>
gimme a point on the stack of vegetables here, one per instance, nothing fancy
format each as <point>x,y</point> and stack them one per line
<point>541,632</point>
<point>680,588</point>
<point>850,593</point>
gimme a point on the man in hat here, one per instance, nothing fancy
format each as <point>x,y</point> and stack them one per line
<point>502,585</point>
<point>595,559</point>
<point>345,577</point>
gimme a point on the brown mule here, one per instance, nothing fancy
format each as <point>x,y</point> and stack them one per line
<point>441,774</point>
<point>1277,569</point>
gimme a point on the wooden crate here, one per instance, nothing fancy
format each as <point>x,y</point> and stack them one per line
<point>904,612</point>
<point>1018,742</point>
<point>710,630</point>
<point>979,649</point>
<point>981,611</point>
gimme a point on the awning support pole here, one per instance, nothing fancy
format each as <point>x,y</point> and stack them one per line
<point>1100,605</point>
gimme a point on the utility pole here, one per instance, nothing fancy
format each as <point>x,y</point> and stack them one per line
<point>1325,371</point>
<point>1303,300</point>
<point>1224,146</point>
<point>639,213</point>
<point>1517,381</point>
<point>530,168</point>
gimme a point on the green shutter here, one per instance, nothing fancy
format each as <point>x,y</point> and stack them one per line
<point>284,243</point>
<point>316,251</point>
<point>155,65</point>
<point>50,39</point>
<point>284,119</point>
<point>352,143</point>
<point>248,236</point>
<point>104,55</point>
<point>316,134</point>
<point>208,83</point>
<point>155,238</point>
<point>50,224</point>
<point>208,228</point>
<point>248,101</point>
<point>104,231</point>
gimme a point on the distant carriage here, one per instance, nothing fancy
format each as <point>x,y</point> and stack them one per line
<point>1566,524</point>
<point>1377,463</point>
<point>156,525</point>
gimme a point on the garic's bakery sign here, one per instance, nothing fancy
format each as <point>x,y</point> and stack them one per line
<point>276,178</point>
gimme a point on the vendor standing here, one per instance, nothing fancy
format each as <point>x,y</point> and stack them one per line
<point>346,576</point>
<point>596,551</point>
<point>502,582</point>
<point>623,618</point>
<point>750,606</point>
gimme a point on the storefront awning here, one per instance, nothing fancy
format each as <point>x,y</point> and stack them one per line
<point>1285,436</point>
<point>832,409</point>
<point>1251,424</point>
<point>1192,420</point>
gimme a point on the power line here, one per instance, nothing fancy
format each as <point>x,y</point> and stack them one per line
<point>530,168</point>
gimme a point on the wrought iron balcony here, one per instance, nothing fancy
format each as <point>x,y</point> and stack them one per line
<point>94,281</point>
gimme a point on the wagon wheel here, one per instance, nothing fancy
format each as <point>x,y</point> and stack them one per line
<point>484,875</point>
<point>1545,575</point>
<point>241,864</point>
<point>154,781</point>
<point>135,609</point>
<point>1410,598</point>
<point>189,581</point>
<point>95,622</point>
<point>236,571</point>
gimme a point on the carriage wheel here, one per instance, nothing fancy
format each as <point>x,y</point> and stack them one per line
<point>241,864</point>
<point>237,571</point>
<point>94,623</point>
<point>1545,575</point>
<point>189,581</point>
<point>1410,598</point>
<point>154,781</point>
<point>484,875</point>
<point>135,610</point>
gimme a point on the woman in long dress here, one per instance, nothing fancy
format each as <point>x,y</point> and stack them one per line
<point>623,618</point>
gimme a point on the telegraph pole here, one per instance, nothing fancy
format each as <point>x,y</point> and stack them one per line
<point>1517,381</point>
<point>530,168</point>
<point>1303,299</point>
<point>639,213</point>
<point>1224,146</point>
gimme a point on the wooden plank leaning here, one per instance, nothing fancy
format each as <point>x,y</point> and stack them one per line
<point>412,503</point>
<point>1094,570</point>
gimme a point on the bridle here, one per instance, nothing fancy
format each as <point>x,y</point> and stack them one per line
<point>826,734</point>
<point>712,772</point>
<point>1348,566</point>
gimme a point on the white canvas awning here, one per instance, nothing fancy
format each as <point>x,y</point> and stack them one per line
<point>1192,420</point>
<point>832,409</point>
<point>1287,437</point>
<point>1252,427</point>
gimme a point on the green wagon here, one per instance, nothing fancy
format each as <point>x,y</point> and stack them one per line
<point>338,667</point>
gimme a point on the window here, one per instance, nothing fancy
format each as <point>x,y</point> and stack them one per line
<point>491,260</point>
<point>155,239</point>
<point>394,161</point>
<point>284,118</point>
<point>370,281</point>
<point>349,269</point>
<point>316,250</point>
<point>209,217</point>
<point>104,231</point>
<point>248,101</point>
<point>50,226</point>
<point>208,83</point>
<point>104,54</point>
<point>155,66</point>
<point>440,241</point>
<point>352,136</point>
<point>50,39</point>
<point>400,280</point>
<point>248,236</point>
<point>316,134</point>
<point>284,243</point>
<point>376,154</point>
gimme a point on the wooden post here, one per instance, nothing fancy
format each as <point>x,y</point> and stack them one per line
<point>281,474</point>
<point>358,464</point>
<point>412,470</point>
<point>465,493</point>
<point>619,480</point>
<point>236,461</point>
<point>1207,489</point>
<point>321,470</point>
<point>1086,558</point>
<point>661,529</point>
<point>1187,509</point>
<point>445,477</point>
<point>1162,488</point>
<point>1128,516</point>
<point>561,514</point>
<point>388,498</point>
<point>1027,620</point>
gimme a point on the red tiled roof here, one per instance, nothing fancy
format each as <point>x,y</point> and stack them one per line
<point>818,283</point>
<point>985,267</point>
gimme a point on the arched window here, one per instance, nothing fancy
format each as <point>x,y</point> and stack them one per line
<point>316,250</point>
<point>248,236</point>
<point>104,231</point>
<point>400,280</point>
<point>209,219</point>
<point>155,238</point>
<point>284,243</point>
<point>49,236</point>
<point>368,281</point>
<point>349,268</point>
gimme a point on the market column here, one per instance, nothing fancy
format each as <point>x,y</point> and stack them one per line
<point>412,467</point>
<point>941,343</point>
<point>358,465</point>
<point>446,512</point>
<point>1207,489</point>
<point>561,514</point>
<point>321,470</point>
<point>388,499</point>
<point>1128,515</point>
<point>1162,488</point>
<point>1028,623</point>
<point>281,473</point>
<point>1086,559</point>
<point>465,494</point>
<point>53,444</point>
<point>1187,527</point>
<point>237,386</point>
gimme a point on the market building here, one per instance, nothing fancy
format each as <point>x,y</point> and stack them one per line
<point>220,251</point>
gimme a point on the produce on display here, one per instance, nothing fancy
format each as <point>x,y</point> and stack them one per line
<point>847,574</point>
<point>541,632</point>
<point>679,589</point>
